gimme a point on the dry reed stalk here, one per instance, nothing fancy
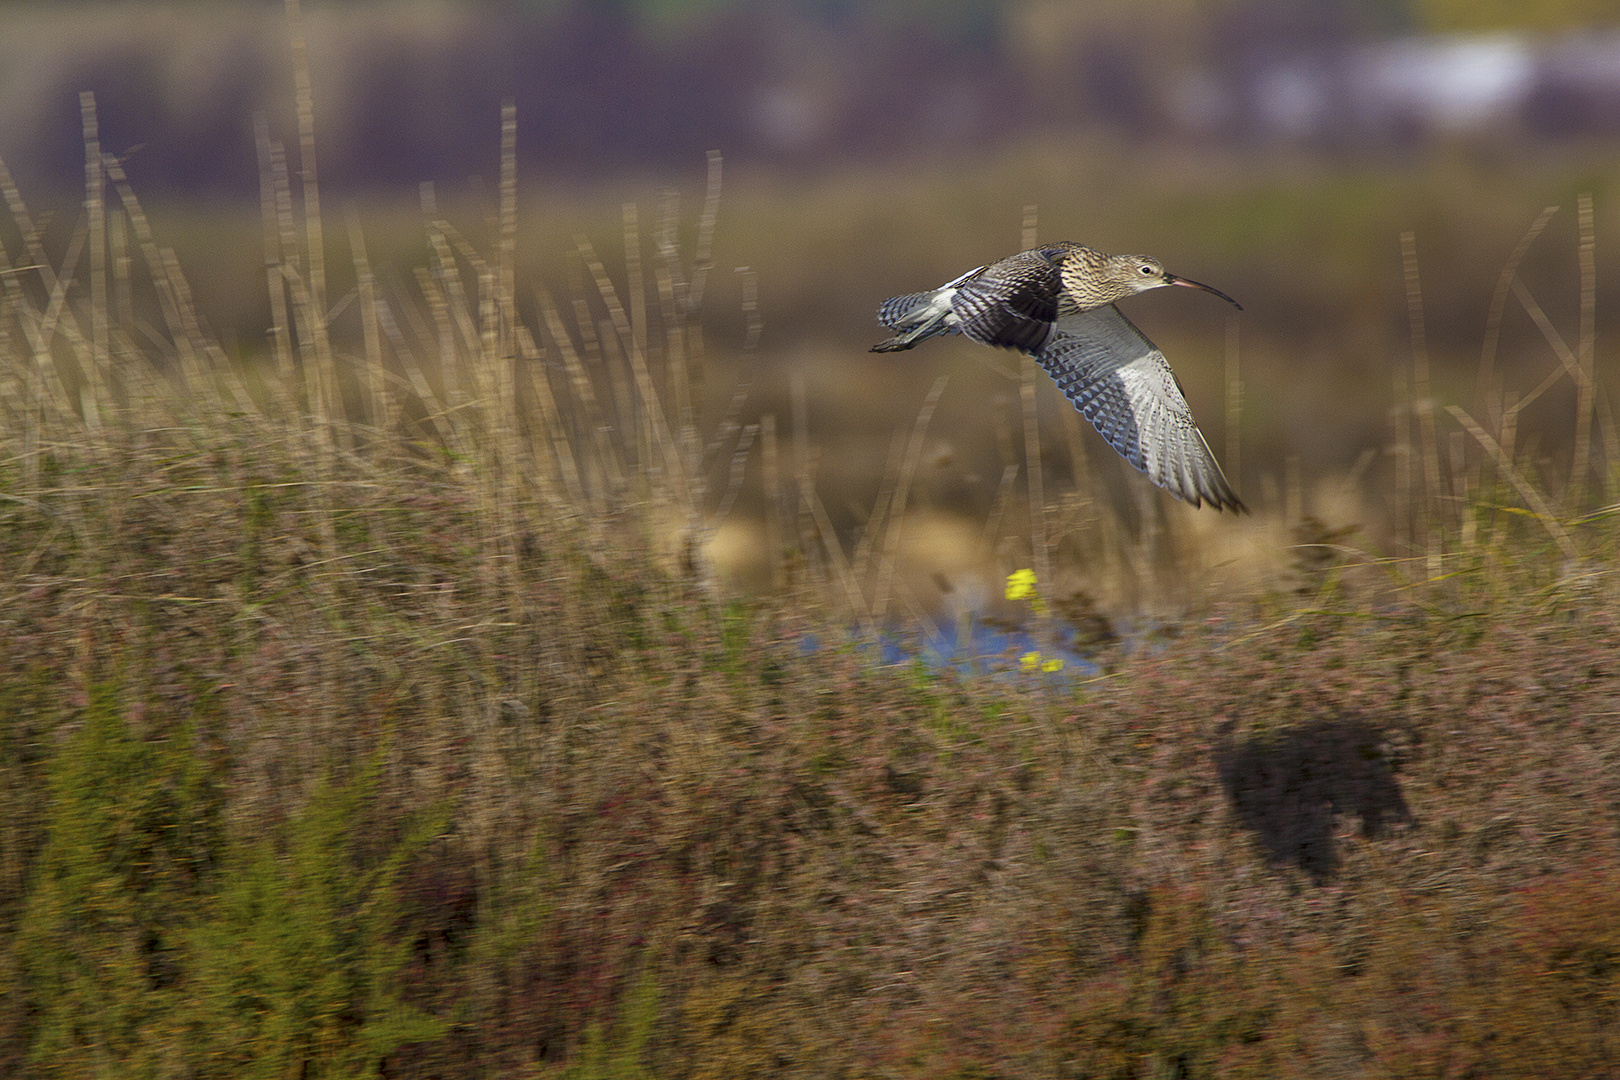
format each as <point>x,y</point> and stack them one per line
<point>122,284</point>
<point>1581,374</point>
<point>307,377</point>
<point>671,297</point>
<point>873,528</point>
<point>1142,558</point>
<point>43,395</point>
<point>1002,427</point>
<point>480,335</point>
<point>1034,474</point>
<point>690,304</point>
<point>509,403</point>
<point>45,375</point>
<point>798,398</point>
<point>1424,395</point>
<point>737,473</point>
<point>635,428</point>
<point>1526,490</point>
<point>1584,388</point>
<point>1570,363</point>
<point>1484,394</point>
<point>635,283</point>
<point>280,256</point>
<point>429,279</point>
<point>591,338</point>
<point>1234,404</point>
<point>753,327</point>
<point>439,313</point>
<point>902,493</point>
<point>708,455</point>
<point>508,244</point>
<point>416,379</point>
<point>632,339</point>
<point>703,253</point>
<point>1461,492</point>
<point>771,478</point>
<point>197,347</point>
<point>552,425</point>
<point>134,378</point>
<point>635,436</point>
<point>585,393</point>
<point>327,405</point>
<point>24,221</point>
<point>93,390</point>
<point>998,510</point>
<point>1293,493</point>
<point>490,355</point>
<point>379,400</point>
<point>1107,526</point>
<point>460,325</point>
<point>1400,420</point>
<point>853,598</point>
<point>57,313</point>
<point>1611,443</point>
<point>1512,403</point>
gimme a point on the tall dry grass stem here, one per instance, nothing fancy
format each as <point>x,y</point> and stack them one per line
<point>799,401</point>
<point>1431,526</point>
<point>272,181</point>
<point>895,518</point>
<point>771,478</point>
<point>1485,394</point>
<point>1034,472</point>
<point>94,397</point>
<point>1233,380</point>
<point>1504,463</point>
<point>632,340</point>
<point>1585,386</point>
<point>325,401</point>
<point>1400,421</point>
<point>872,531</point>
<point>379,401</point>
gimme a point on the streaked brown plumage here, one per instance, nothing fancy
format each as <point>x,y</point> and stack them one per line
<point>1056,302</point>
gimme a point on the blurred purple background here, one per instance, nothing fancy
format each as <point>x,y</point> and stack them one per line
<point>407,91</point>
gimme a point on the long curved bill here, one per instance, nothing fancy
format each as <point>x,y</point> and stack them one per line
<point>1171,279</point>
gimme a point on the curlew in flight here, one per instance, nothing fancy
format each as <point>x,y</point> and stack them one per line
<point>1056,303</point>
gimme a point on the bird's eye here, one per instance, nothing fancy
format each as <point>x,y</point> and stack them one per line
<point>1147,271</point>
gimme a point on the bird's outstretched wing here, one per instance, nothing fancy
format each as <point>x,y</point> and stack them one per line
<point>1014,303</point>
<point>1123,385</point>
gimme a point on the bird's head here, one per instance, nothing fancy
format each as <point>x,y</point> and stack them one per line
<point>1126,275</point>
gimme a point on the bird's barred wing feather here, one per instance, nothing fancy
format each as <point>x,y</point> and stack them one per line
<point>1013,304</point>
<point>1123,385</point>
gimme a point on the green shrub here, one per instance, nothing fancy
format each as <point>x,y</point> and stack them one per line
<point>297,965</point>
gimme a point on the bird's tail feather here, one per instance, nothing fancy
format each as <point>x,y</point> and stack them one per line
<point>895,309</point>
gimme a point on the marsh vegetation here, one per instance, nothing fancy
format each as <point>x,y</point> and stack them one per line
<point>379,702</point>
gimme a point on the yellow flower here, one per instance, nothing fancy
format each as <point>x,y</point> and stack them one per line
<point>1053,664</point>
<point>1020,584</point>
<point>1030,661</point>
